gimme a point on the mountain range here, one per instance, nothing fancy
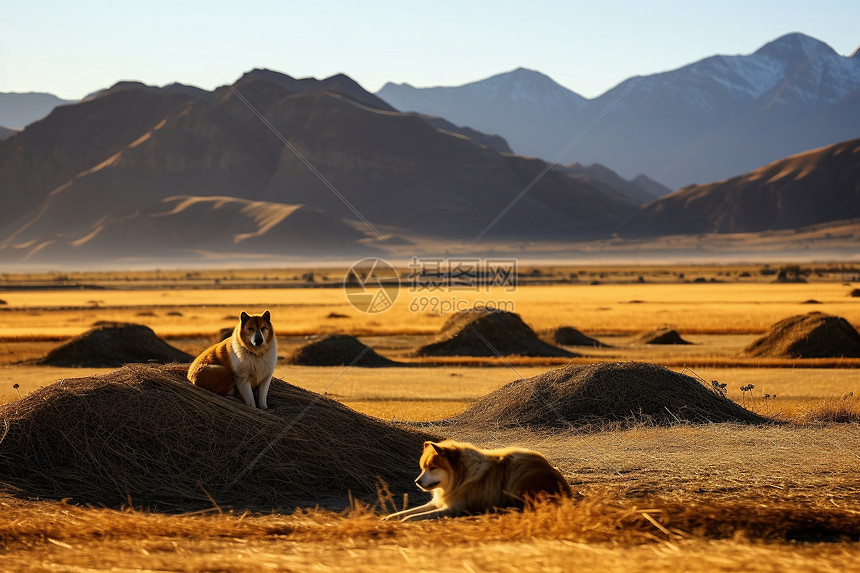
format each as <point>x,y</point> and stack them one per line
<point>271,164</point>
<point>18,110</point>
<point>713,119</point>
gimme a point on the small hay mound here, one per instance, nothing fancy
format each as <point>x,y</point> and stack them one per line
<point>144,435</point>
<point>488,333</point>
<point>569,336</point>
<point>597,395</point>
<point>662,336</point>
<point>224,333</point>
<point>339,350</point>
<point>813,335</point>
<point>113,344</point>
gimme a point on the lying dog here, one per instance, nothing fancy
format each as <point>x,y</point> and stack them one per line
<point>465,480</point>
<point>244,361</point>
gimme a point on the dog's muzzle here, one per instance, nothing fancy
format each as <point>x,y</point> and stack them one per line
<point>258,339</point>
<point>425,486</point>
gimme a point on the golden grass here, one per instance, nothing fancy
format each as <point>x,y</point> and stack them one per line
<point>694,498</point>
<point>715,308</point>
<point>602,530</point>
<point>730,498</point>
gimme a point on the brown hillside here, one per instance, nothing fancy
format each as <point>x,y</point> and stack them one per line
<point>7,132</point>
<point>813,335</point>
<point>128,149</point>
<point>188,225</point>
<point>641,190</point>
<point>146,437</point>
<point>74,138</point>
<point>814,187</point>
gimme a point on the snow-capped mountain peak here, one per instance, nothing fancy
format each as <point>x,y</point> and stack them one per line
<point>796,45</point>
<point>713,118</point>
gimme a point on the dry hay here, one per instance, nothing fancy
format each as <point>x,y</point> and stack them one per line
<point>488,332</point>
<point>813,335</point>
<point>662,335</point>
<point>338,350</point>
<point>569,336</point>
<point>112,344</point>
<point>142,435</point>
<point>595,396</point>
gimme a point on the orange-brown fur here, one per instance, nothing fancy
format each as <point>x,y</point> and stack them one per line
<point>245,361</point>
<point>472,480</point>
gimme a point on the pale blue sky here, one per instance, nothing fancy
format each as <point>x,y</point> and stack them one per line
<point>73,48</point>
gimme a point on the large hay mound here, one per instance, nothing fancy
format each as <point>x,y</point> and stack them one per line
<point>143,435</point>
<point>813,335</point>
<point>488,333</point>
<point>338,350</point>
<point>569,336</point>
<point>596,395</point>
<point>113,344</point>
<point>662,336</point>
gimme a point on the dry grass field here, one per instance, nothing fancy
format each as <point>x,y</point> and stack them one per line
<point>714,497</point>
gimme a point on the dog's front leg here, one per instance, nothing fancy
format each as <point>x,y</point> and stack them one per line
<point>434,513</point>
<point>247,393</point>
<point>262,393</point>
<point>406,512</point>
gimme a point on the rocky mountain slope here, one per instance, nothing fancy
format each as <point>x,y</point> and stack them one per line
<point>269,163</point>
<point>815,187</point>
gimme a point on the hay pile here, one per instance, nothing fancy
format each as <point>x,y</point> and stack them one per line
<point>223,334</point>
<point>488,333</point>
<point>593,396</point>
<point>145,436</point>
<point>569,336</point>
<point>338,350</point>
<point>813,335</point>
<point>113,344</point>
<point>663,335</point>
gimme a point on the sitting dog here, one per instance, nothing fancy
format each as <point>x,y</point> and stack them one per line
<point>244,361</point>
<point>466,480</point>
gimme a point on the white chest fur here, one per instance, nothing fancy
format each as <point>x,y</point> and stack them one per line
<point>255,368</point>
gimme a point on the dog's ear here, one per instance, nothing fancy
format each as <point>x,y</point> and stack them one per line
<point>244,317</point>
<point>436,447</point>
<point>267,317</point>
